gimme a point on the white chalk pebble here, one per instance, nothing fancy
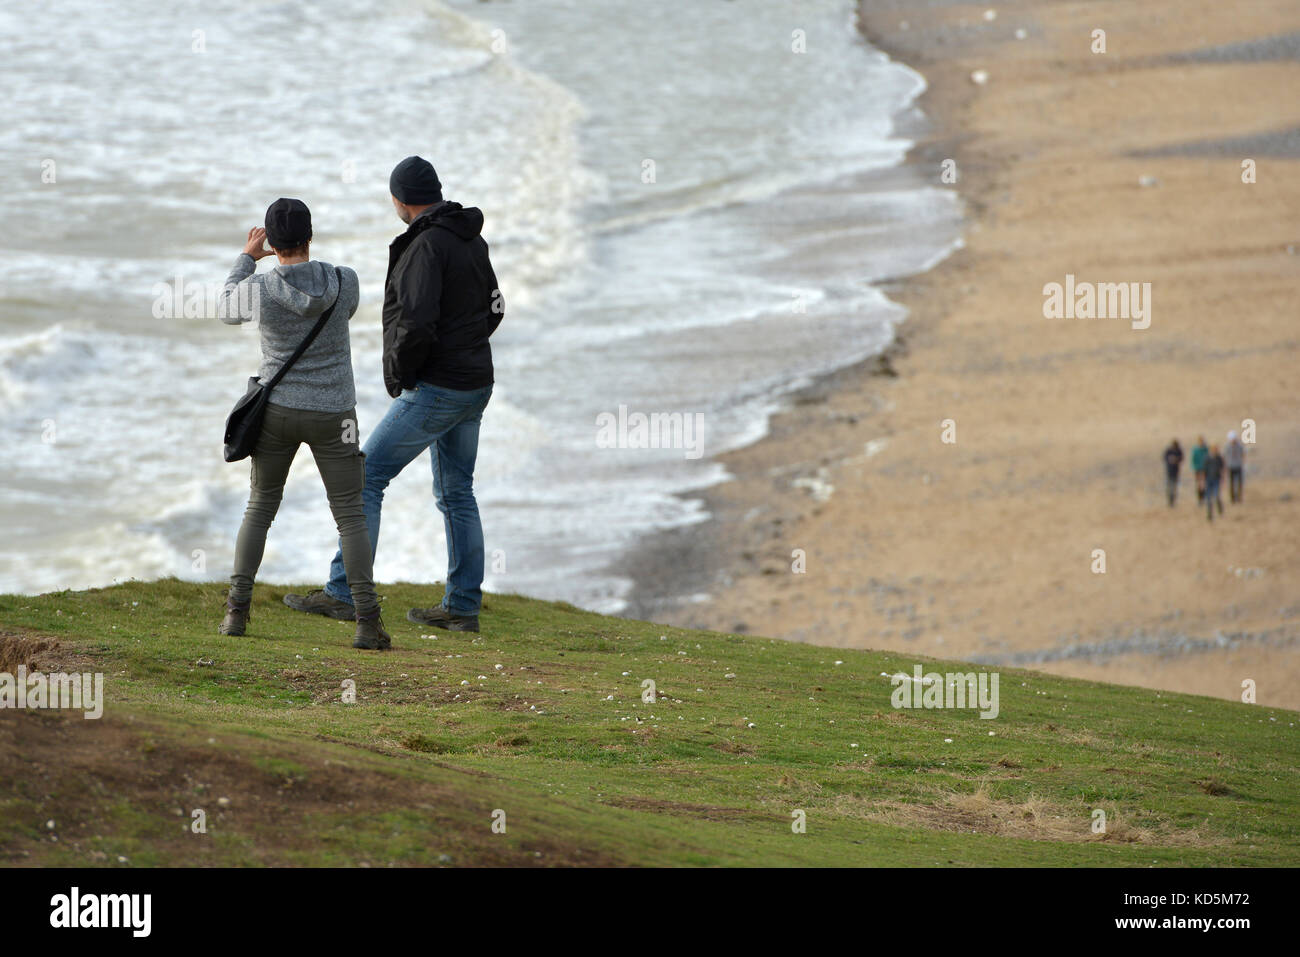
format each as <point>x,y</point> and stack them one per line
<point>947,740</point>
<point>498,667</point>
<point>979,78</point>
<point>1021,33</point>
<point>990,15</point>
<point>839,662</point>
<point>991,733</point>
<point>49,825</point>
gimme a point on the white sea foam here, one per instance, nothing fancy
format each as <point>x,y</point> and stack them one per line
<point>771,187</point>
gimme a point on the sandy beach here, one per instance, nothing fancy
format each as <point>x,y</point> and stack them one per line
<point>1117,167</point>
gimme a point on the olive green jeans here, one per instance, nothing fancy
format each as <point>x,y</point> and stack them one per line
<point>335,444</point>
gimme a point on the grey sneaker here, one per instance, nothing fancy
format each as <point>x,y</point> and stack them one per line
<point>316,602</point>
<point>371,635</point>
<point>440,617</point>
<point>236,619</point>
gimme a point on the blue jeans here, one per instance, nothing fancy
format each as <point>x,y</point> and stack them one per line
<point>445,421</point>
<point>1212,496</point>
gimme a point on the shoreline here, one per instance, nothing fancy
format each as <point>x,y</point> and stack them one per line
<point>981,551</point>
<point>671,567</point>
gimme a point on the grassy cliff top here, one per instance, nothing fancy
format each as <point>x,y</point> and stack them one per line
<point>541,717</point>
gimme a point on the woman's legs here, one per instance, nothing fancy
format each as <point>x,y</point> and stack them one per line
<point>335,444</point>
<point>272,457</point>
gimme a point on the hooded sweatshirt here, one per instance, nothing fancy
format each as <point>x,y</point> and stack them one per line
<point>1234,453</point>
<point>441,302</point>
<point>287,301</point>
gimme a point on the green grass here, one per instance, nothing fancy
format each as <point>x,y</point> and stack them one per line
<point>541,717</point>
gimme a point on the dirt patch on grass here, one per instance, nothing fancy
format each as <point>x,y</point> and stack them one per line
<point>36,652</point>
<point>1033,819</point>
<point>125,782</point>
<point>427,745</point>
<point>327,688</point>
<point>707,812</point>
<point>1214,787</point>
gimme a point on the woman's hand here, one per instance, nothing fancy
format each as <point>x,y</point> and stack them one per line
<point>254,247</point>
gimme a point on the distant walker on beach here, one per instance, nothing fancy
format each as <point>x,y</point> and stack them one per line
<point>1173,461</point>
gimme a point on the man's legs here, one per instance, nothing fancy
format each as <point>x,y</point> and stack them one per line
<point>416,419</point>
<point>1171,487</point>
<point>452,459</point>
<point>398,439</point>
<point>1234,485</point>
<point>1200,485</point>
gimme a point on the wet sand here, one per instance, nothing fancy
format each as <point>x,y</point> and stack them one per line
<point>983,548</point>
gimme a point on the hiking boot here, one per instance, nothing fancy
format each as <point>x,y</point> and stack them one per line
<point>440,617</point>
<point>236,619</point>
<point>316,602</point>
<point>371,635</point>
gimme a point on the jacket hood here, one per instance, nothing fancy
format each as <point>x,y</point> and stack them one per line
<point>465,222</point>
<point>307,289</point>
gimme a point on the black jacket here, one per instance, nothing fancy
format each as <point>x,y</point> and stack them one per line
<point>1173,459</point>
<point>441,303</point>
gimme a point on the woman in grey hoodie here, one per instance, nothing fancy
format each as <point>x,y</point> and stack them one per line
<point>315,404</point>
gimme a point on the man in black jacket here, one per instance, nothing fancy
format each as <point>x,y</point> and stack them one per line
<point>1173,460</point>
<point>441,304</point>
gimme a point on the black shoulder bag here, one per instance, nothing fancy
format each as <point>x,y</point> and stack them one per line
<point>244,424</point>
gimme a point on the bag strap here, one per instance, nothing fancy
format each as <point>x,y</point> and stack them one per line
<point>311,336</point>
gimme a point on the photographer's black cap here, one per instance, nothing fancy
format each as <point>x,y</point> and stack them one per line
<point>288,223</point>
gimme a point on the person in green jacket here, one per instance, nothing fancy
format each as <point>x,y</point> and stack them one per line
<point>1200,452</point>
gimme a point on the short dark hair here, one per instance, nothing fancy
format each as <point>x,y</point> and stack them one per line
<point>293,250</point>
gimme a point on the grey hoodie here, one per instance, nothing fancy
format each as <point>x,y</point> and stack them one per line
<point>287,302</point>
<point>1235,453</point>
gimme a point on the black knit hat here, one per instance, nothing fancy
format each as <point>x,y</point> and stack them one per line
<point>415,183</point>
<point>288,223</point>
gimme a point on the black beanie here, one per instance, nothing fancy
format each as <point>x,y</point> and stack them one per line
<point>288,223</point>
<point>415,183</point>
